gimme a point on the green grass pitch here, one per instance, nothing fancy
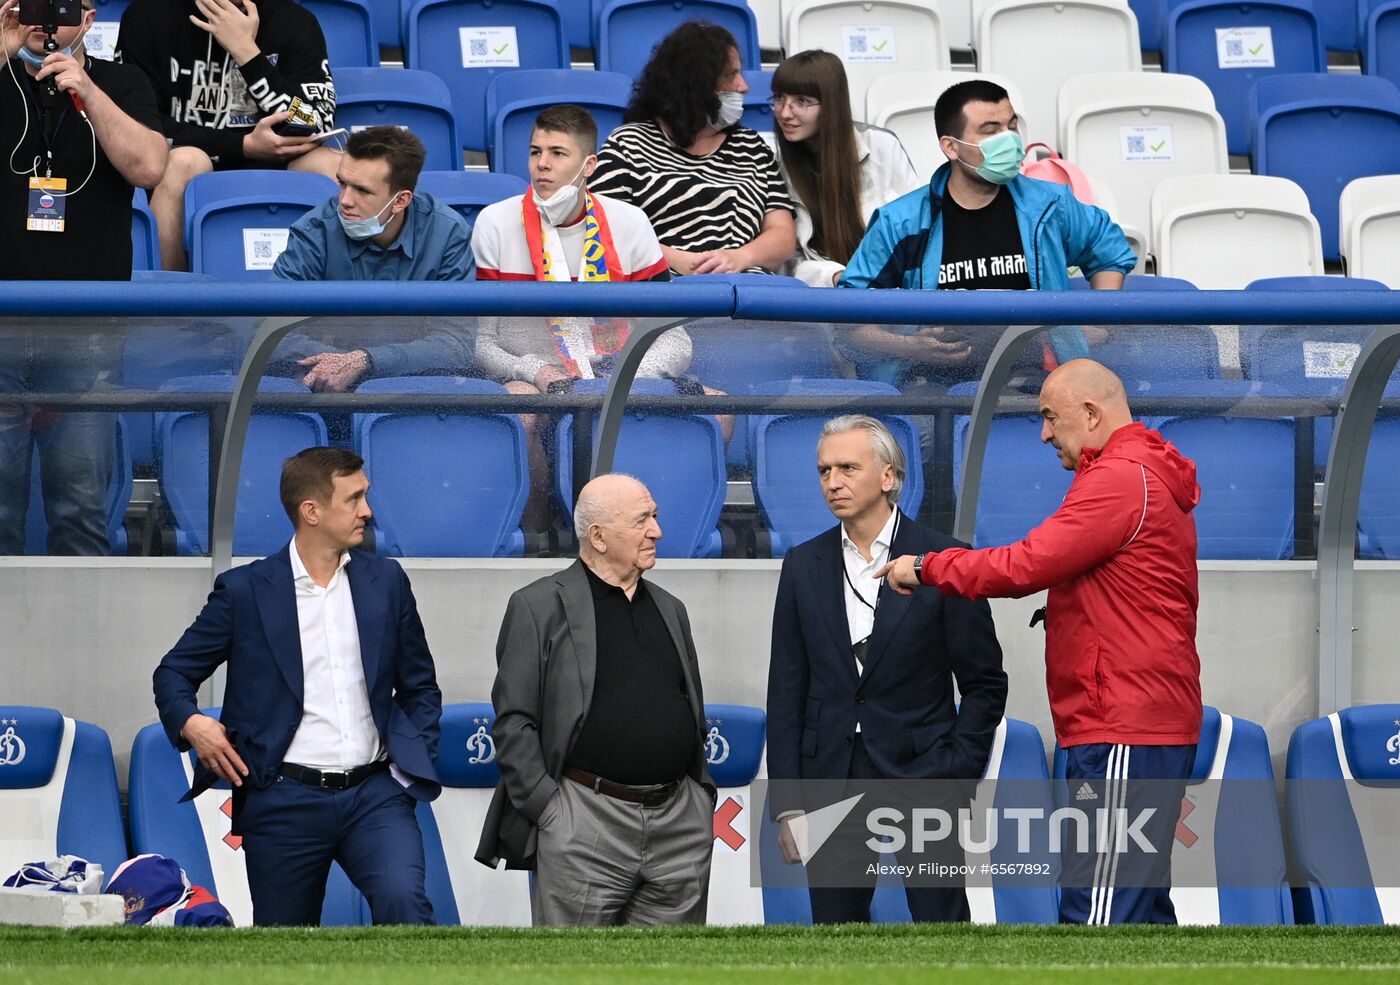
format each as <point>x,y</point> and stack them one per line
<point>806,955</point>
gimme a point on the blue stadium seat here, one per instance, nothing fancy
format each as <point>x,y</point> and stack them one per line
<point>1340,801</point>
<point>1228,858</point>
<point>1380,38</point>
<point>1139,282</point>
<point>1144,355</point>
<point>784,454</point>
<point>420,101</point>
<point>1022,481</point>
<point>578,23</point>
<point>260,525</point>
<point>351,41</point>
<point>1190,45</point>
<point>1018,757</point>
<point>119,484</point>
<point>734,739</point>
<point>1245,468</point>
<point>145,242</point>
<point>1378,519</point>
<point>1342,23</point>
<point>1357,118</point>
<point>627,31</point>
<point>1149,18</point>
<point>758,114</point>
<point>514,99</point>
<point>388,22</point>
<point>680,458</point>
<point>508,35</point>
<point>462,890</point>
<point>468,192</point>
<point>427,504</point>
<point>58,790</point>
<point>225,210</point>
<point>196,832</point>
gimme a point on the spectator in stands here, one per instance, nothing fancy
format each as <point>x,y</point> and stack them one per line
<point>879,672</point>
<point>838,172</point>
<point>598,685</point>
<point>1119,560</point>
<point>980,225</point>
<point>69,221</point>
<point>380,229</point>
<point>225,74</point>
<point>331,712</point>
<point>710,186</point>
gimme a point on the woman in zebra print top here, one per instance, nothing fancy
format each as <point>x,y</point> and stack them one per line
<point>711,188</point>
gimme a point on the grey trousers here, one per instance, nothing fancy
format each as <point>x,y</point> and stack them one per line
<point>603,861</point>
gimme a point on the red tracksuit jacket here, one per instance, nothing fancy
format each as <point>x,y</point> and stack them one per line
<point>1119,559</point>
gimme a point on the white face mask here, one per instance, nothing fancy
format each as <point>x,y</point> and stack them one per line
<point>731,110</point>
<point>559,207</point>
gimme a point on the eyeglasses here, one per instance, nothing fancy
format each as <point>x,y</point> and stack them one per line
<point>802,104</point>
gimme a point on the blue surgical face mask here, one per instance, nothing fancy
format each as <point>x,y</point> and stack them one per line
<point>365,228</point>
<point>1002,154</point>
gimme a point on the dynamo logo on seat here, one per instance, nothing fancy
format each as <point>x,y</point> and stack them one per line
<point>1392,745</point>
<point>12,747</point>
<point>716,745</point>
<point>481,746</point>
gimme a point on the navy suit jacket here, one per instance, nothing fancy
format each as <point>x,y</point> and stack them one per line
<point>250,622</point>
<point>903,699</point>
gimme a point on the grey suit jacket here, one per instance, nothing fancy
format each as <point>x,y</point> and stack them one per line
<point>546,661</point>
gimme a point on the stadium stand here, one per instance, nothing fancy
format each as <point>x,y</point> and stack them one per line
<point>1339,802</point>
<point>1022,483</point>
<point>145,243</point>
<point>903,102</point>
<point>873,37</point>
<point>261,526</point>
<point>1369,216</point>
<point>514,99</point>
<point>758,112</point>
<point>734,739</point>
<point>1231,45</point>
<point>118,497</point>
<point>196,832</point>
<point>58,790</point>
<point>680,459</point>
<point>785,459</point>
<point>236,222</point>
<point>1131,130</point>
<point>1222,231</point>
<point>1378,517</point>
<point>626,31</point>
<point>427,504</point>
<point>467,43</point>
<point>351,41</point>
<point>461,889</point>
<point>1380,38</point>
<point>1343,23</point>
<point>1149,20</point>
<point>419,101</point>
<point>1357,118</point>
<point>470,191</point>
<point>1090,36</point>
<point>388,22</point>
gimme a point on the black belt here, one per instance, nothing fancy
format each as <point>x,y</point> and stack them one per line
<point>333,779</point>
<point>650,797</point>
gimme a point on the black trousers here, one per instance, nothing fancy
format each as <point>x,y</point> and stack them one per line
<point>851,904</point>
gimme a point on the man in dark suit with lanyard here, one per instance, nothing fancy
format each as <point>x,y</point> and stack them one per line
<point>860,685</point>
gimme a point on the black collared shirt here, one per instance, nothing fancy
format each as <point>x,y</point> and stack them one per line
<point>640,727</point>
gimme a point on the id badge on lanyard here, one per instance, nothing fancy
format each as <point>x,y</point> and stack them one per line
<point>47,205</point>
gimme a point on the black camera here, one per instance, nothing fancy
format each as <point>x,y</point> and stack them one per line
<point>51,13</point>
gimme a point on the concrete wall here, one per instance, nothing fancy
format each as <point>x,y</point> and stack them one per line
<point>83,635</point>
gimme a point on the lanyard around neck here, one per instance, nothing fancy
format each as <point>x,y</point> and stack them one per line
<point>846,573</point>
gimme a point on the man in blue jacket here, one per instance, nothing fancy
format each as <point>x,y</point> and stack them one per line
<point>331,711</point>
<point>982,225</point>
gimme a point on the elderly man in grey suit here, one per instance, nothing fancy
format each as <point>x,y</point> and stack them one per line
<point>604,789</point>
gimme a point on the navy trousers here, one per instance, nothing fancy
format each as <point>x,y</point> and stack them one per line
<point>1105,885</point>
<point>292,832</point>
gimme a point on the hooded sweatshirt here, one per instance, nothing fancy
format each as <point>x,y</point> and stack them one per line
<point>208,101</point>
<point>1119,560</point>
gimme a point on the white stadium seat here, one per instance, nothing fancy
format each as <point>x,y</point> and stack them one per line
<point>1370,228</point>
<point>872,37</point>
<point>1131,130</point>
<point>1222,231</point>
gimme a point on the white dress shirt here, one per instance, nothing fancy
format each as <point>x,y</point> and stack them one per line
<point>337,731</point>
<point>860,608</point>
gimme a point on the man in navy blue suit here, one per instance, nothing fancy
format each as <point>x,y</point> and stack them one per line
<point>331,711</point>
<point>860,685</point>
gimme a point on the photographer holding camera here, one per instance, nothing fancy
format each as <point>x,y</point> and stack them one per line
<point>77,133</point>
<point>225,73</point>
